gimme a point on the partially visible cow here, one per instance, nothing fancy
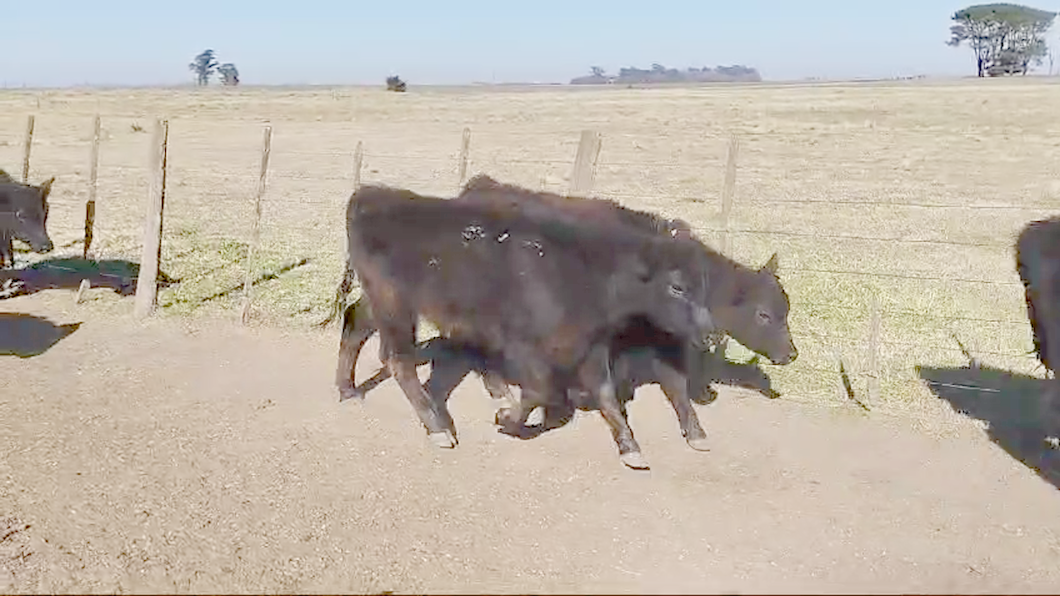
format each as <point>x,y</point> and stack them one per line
<point>23,216</point>
<point>1038,265</point>
<point>7,250</point>
<point>539,292</point>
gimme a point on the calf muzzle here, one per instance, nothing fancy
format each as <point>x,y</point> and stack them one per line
<point>788,358</point>
<point>705,328</point>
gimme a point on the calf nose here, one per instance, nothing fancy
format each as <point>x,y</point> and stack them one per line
<point>703,320</point>
<point>787,358</point>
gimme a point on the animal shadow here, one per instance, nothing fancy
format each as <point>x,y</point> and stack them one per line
<point>1009,403</point>
<point>66,273</point>
<point>27,336</point>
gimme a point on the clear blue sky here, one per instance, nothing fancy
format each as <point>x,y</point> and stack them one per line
<point>125,42</point>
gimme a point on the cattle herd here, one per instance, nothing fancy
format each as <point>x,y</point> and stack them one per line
<point>576,301</point>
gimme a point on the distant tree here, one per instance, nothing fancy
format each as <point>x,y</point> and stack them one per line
<point>203,66</point>
<point>596,71</point>
<point>229,74</point>
<point>395,83</point>
<point>1006,38</point>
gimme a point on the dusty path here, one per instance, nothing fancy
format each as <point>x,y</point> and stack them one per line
<point>177,457</point>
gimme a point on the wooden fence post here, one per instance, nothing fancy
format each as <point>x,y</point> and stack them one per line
<point>874,350</point>
<point>255,234</point>
<point>358,163</point>
<point>147,279</point>
<point>727,193</point>
<point>26,148</point>
<point>584,172</point>
<point>465,147</point>
<point>93,172</point>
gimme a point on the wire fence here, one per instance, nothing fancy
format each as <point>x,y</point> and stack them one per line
<point>889,261</point>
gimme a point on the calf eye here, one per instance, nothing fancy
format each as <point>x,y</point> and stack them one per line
<point>764,318</point>
<point>676,291</point>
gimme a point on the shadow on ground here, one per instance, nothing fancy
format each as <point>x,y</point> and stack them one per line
<point>1009,403</point>
<point>264,277</point>
<point>66,273</point>
<point>27,336</point>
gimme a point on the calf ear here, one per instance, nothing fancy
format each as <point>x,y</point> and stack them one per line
<point>771,265</point>
<point>480,182</point>
<point>46,188</point>
<point>679,228</point>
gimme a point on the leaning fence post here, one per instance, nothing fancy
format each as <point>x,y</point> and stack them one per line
<point>93,172</point>
<point>727,193</point>
<point>358,163</point>
<point>874,348</point>
<point>147,279</point>
<point>465,147</point>
<point>584,172</point>
<point>255,234</point>
<point>26,148</point>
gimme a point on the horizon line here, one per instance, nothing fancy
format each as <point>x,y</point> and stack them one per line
<point>4,86</point>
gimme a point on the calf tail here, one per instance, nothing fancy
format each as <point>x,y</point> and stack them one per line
<point>338,302</point>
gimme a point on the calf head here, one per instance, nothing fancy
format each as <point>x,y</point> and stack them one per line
<point>666,284</point>
<point>25,212</point>
<point>755,313</point>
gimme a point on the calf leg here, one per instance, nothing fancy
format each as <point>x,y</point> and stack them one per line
<point>675,386</point>
<point>357,327</point>
<point>498,388</point>
<point>440,431</point>
<point>538,389</point>
<point>397,327</point>
<point>7,251</point>
<point>595,375</point>
<point>449,366</point>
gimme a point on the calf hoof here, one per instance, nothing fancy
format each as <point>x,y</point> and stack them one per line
<point>634,460</point>
<point>350,392</point>
<point>708,397</point>
<point>536,417</point>
<point>700,444</point>
<point>442,440</point>
<point>505,416</point>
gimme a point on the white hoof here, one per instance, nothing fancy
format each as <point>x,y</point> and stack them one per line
<point>699,444</point>
<point>443,440</point>
<point>536,418</point>
<point>634,460</point>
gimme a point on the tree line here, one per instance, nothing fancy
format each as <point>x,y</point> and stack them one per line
<point>660,74</point>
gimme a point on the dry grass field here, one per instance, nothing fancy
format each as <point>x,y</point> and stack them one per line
<point>908,192</point>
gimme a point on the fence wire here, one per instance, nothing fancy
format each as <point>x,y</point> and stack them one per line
<point>932,259</point>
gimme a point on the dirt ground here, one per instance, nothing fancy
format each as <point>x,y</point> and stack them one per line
<point>192,455</point>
